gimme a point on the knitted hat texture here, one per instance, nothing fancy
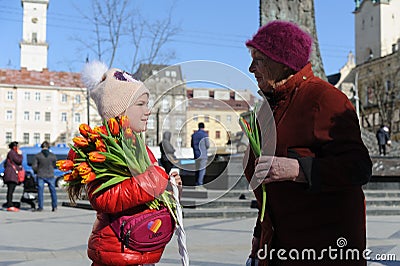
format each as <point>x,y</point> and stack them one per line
<point>284,42</point>
<point>112,90</point>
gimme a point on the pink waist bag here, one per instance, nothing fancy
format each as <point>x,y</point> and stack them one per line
<point>144,232</point>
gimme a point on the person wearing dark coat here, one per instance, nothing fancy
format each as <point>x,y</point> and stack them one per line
<point>382,136</point>
<point>167,152</point>
<point>43,164</point>
<point>13,163</point>
<point>313,162</point>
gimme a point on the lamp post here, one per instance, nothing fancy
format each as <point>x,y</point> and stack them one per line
<point>88,105</point>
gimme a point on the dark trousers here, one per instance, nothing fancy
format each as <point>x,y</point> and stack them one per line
<point>382,149</point>
<point>10,191</point>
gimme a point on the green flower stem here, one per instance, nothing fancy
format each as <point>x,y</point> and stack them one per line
<point>264,202</point>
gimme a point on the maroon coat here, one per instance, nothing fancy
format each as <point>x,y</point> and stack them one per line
<point>13,159</point>
<point>316,124</point>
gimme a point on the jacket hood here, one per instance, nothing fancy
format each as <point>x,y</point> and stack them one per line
<point>167,135</point>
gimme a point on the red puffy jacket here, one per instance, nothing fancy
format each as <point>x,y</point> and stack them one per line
<point>104,248</point>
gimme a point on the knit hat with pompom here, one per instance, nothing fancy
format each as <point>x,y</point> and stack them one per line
<point>113,90</point>
<point>283,42</point>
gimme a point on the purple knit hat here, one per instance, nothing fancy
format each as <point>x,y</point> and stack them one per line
<point>283,42</point>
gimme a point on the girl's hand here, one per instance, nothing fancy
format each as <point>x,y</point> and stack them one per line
<point>178,181</point>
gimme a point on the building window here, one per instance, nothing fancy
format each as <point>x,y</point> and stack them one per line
<point>37,96</point>
<point>63,117</point>
<point>8,137</point>
<point>77,99</point>
<point>218,118</point>
<point>37,116</point>
<point>173,74</point>
<point>217,134</point>
<point>9,115</point>
<point>166,123</point>
<point>64,98</point>
<point>165,105</point>
<point>206,118</point>
<point>34,37</point>
<point>77,118</point>
<point>195,117</point>
<point>228,118</point>
<point>36,138</point>
<point>26,115</point>
<point>178,123</point>
<point>167,73</point>
<point>48,97</point>
<point>26,138</point>
<point>47,116</point>
<point>178,104</point>
<point>150,122</point>
<point>27,95</point>
<point>10,95</point>
<point>63,138</point>
<point>47,137</point>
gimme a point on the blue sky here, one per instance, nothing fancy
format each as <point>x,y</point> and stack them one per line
<point>210,30</point>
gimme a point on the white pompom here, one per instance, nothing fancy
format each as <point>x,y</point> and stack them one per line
<point>92,73</point>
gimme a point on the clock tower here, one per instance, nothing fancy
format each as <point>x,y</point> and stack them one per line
<point>33,45</point>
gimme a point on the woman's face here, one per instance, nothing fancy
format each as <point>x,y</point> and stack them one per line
<point>138,113</point>
<point>266,71</point>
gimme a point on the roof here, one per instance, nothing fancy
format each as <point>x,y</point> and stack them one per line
<point>334,78</point>
<point>40,78</point>
<point>213,104</point>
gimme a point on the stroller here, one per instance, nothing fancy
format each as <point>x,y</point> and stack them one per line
<point>29,194</point>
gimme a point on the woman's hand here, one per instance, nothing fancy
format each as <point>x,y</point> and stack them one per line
<point>272,169</point>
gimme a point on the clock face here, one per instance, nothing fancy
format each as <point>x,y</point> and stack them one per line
<point>34,20</point>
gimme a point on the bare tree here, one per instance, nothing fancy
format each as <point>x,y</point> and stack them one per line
<point>301,12</point>
<point>383,94</point>
<point>114,20</point>
<point>158,34</point>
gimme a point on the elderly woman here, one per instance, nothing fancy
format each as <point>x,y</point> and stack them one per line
<point>315,206</point>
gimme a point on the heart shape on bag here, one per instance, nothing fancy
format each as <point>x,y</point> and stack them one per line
<point>154,225</point>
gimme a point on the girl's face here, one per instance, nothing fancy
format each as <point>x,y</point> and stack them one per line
<point>138,113</point>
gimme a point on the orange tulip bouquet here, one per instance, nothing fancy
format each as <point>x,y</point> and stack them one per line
<point>112,152</point>
<point>250,128</point>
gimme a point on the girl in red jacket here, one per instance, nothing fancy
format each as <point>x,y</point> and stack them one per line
<point>116,93</point>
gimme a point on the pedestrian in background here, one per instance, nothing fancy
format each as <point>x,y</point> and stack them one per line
<point>200,145</point>
<point>168,159</point>
<point>43,165</point>
<point>382,136</point>
<point>13,163</point>
<point>313,177</point>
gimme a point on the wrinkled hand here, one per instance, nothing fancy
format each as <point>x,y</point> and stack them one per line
<point>272,169</point>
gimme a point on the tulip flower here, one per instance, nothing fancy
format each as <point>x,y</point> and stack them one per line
<point>69,177</point>
<point>80,142</point>
<point>128,133</point>
<point>83,168</point>
<point>94,136</point>
<point>100,129</point>
<point>124,122</point>
<point>65,165</point>
<point>96,157</point>
<point>113,126</point>
<point>85,129</point>
<point>88,177</point>
<point>100,146</point>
